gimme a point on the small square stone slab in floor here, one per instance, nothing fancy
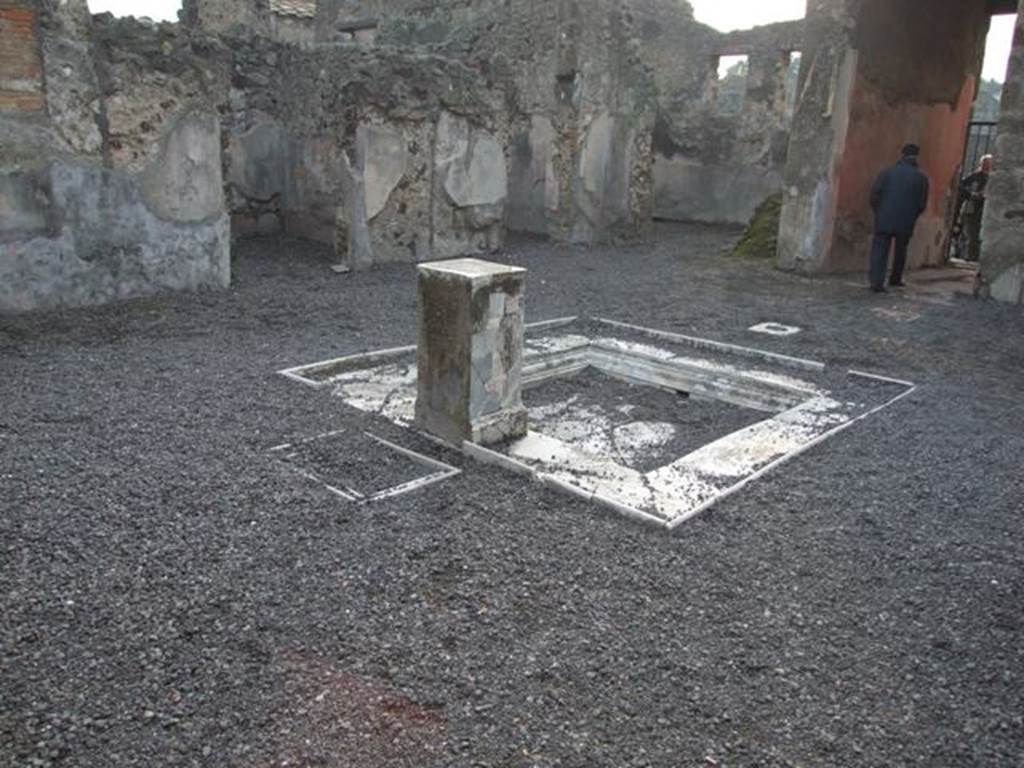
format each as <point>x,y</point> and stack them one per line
<point>775,329</point>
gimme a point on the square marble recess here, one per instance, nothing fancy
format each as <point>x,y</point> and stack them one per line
<point>360,467</point>
<point>654,425</point>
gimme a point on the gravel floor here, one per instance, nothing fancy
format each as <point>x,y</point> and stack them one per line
<point>173,596</point>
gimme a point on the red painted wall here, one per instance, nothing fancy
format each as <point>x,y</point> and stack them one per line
<point>878,130</point>
<point>917,65</point>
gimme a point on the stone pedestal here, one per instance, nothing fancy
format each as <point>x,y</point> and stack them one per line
<point>471,351</point>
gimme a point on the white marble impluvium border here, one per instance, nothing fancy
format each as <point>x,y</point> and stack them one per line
<point>799,414</point>
<point>303,373</point>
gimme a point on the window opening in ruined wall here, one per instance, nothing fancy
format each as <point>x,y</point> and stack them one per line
<point>157,10</point>
<point>981,133</point>
<point>792,83</point>
<point>731,90</point>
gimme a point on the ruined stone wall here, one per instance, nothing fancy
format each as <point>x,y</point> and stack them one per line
<point>817,135</point>
<point>710,166</point>
<point>289,28</point>
<point>285,21</point>
<point>238,18</point>
<point>613,195</point>
<point>256,155</point>
<point>114,189</point>
<point>568,101</point>
<point>1002,258</point>
<point>388,154</point>
<point>578,96</point>
<point>415,143</point>
<point>589,80</point>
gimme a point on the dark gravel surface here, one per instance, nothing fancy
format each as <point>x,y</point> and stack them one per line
<point>173,597</point>
<point>698,421</point>
<point>354,461</point>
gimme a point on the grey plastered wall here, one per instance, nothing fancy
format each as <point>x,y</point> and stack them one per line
<point>112,196</point>
<point>612,192</point>
<point>97,234</point>
<point>398,156</point>
<point>342,143</point>
<point>1002,257</point>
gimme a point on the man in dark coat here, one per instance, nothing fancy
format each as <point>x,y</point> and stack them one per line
<point>899,197</point>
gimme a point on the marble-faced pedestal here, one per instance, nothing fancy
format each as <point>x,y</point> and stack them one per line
<point>471,351</point>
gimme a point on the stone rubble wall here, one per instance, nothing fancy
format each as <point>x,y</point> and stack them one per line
<point>577,94</point>
<point>388,154</point>
<point>713,167</point>
<point>504,86</point>
<point>236,18</point>
<point>114,189</point>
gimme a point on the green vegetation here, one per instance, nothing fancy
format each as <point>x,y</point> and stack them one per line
<point>986,107</point>
<point>760,239</point>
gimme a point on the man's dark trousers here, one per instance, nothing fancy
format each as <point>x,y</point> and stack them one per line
<point>880,258</point>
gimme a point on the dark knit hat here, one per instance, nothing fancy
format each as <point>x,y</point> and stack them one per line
<point>911,150</point>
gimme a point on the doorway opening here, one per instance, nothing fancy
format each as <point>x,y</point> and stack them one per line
<point>979,147</point>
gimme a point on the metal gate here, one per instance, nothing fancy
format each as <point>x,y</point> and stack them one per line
<point>981,141</point>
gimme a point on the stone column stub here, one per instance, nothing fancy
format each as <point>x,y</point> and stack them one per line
<point>470,353</point>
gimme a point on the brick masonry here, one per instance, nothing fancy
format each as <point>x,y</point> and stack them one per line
<point>21,71</point>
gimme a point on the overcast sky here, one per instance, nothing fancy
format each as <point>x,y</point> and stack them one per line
<point>725,15</point>
<point>728,15</point>
<point>159,10</point>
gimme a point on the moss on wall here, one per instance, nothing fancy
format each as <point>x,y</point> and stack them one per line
<point>760,239</point>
